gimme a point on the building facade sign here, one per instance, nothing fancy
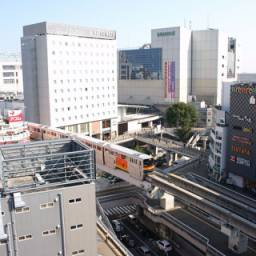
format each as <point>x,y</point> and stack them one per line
<point>169,76</point>
<point>15,116</point>
<point>241,150</point>
<point>167,33</point>
<point>243,90</point>
<point>242,140</point>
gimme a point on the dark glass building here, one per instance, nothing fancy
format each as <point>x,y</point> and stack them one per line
<point>241,149</point>
<point>140,64</point>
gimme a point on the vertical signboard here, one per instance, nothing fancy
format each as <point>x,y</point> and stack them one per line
<point>169,75</point>
<point>173,87</point>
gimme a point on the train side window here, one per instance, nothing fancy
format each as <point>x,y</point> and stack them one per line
<point>139,163</point>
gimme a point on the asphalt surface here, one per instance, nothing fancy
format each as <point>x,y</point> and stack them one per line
<point>141,237</point>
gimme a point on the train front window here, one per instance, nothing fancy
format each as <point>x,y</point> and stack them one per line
<point>148,162</point>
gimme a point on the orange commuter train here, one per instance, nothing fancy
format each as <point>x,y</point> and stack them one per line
<point>107,154</point>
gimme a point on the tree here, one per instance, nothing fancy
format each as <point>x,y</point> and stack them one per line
<point>182,116</point>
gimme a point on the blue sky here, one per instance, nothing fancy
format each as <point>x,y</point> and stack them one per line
<point>133,19</point>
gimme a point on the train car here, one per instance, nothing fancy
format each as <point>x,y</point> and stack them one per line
<point>128,160</point>
<point>111,155</point>
<point>97,145</point>
<point>42,132</point>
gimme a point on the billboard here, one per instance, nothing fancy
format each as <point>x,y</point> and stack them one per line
<point>169,78</point>
<point>14,116</point>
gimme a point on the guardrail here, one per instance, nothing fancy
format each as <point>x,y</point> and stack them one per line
<point>220,212</point>
<point>229,192</point>
<point>111,240</point>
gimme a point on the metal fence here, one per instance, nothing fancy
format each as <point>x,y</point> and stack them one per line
<point>46,163</point>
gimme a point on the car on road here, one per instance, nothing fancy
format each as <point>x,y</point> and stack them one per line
<point>132,218</point>
<point>117,226</point>
<point>127,240</point>
<point>115,180</point>
<point>164,245</point>
<point>144,250</point>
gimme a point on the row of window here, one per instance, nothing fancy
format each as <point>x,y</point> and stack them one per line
<point>22,210</point>
<point>25,237</point>
<point>79,252</point>
<point>27,209</point>
<point>92,80</point>
<point>95,67</point>
<point>82,116</point>
<point>80,44</point>
<point>47,205</point>
<point>49,232</point>
<point>82,98</point>
<point>9,74</point>
<point>9,67</point>
<point>83,71</point>
<point>82,106</point>
<point>92,54</point>
<point>78,226</point>
<point>84,89</point>
<point>9,81</point>
<point>75,200</point>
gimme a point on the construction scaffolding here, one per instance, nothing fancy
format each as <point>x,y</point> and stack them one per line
<point>45,163</point>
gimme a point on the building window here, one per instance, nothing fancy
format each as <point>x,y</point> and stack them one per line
<point>8,74</point>
<point>46,205</point>
<point>25,237</point>
<point>78,226</point>
<point>22,210</point>
<point>75,200</point>
<point>79,252</point>
<point>8,67</point>
<point>49,232</point>
<point>9,81</point>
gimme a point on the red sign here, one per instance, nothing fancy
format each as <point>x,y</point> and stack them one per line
<point>15,116</point>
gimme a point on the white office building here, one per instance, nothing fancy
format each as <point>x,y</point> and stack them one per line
<point>218,135</point>
<point>214,61</point>
<point>192,63</point>
<point>11,82</point>
<point>176,61</point>
<point>70,77</point>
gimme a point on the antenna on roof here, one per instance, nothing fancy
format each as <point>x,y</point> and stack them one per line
<point>190,24</point>
<point>208,21</point>
<point>185,23</point>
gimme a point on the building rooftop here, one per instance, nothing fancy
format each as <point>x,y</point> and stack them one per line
<point>45,164</point>
<point>49,28</point>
